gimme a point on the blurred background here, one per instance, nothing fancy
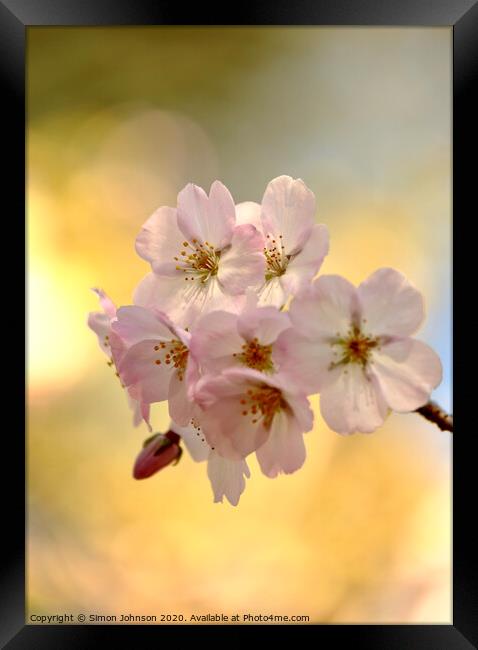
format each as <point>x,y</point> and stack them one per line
<point>119,120</point>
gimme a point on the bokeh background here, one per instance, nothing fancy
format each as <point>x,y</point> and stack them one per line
<point>119,120</point>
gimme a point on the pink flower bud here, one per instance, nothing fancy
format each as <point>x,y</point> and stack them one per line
<point>160,450</point>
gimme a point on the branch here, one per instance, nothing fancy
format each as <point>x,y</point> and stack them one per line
<point>431,411</point>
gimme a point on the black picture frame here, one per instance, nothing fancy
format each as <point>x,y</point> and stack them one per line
<point>15,17</point>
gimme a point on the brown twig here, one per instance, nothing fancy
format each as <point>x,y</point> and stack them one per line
<point>431,411</point>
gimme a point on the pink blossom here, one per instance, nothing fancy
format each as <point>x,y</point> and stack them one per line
<point>158,451</point>
<point>226,476</point>
<point>157,365</point>
<point>248,339</point>
<point>200,258</point>
<point>114,348</point>
<point>294,245</point>
<point>366,361</point>
<point>245,411</point>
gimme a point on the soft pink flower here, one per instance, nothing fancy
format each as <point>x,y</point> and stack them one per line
<point>226,476</point>
<point>294,245</point>
<point>157,364</point>
<point>366,362</point>
<point>158,451</point>
<point>114,348</point>
<point>244,410</point>
<point>200,258</point>
<point>249,339</point>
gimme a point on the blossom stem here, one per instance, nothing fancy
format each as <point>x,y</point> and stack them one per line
<point>433,412</point>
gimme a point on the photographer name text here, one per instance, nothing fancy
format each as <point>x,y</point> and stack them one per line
<point>60,619</point>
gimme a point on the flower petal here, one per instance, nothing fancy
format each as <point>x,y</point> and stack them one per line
<point>160,238</point>
<point>228,431</point>
<point>180,300</point>
<point>117,347</point>
<point>238,376</point>
<point>304,361</point>
<point>100,323</point>
<point>390,304</point>
<point>227,478</point>
<point>300,407</point>
<point>304,266</point>
<point>207,219</point>
<point>406,380</point>
<point>215,339</point>
<point>147,292</point>
<point>181,408</point>
<point>243,264</point>
<point>136,324</point>
<point>149,382</point>
<point>106,303</point>
<point>140,412</point>
<point>353,402</point>
<point>326,309</point>
<point>145,414</point>
<point>263,323</point>
<point>284,450</point>
<point>249,213</point>
<point>202,298</point>
<point>194,441</point>
<point>272,293</point>
<point>288,209</point>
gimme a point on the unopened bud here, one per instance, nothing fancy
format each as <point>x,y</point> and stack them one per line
<point>160,450</point>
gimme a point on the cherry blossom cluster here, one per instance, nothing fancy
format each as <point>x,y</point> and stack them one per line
<point>233,328</point>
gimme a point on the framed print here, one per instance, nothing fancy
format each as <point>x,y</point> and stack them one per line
<point>249,421</point>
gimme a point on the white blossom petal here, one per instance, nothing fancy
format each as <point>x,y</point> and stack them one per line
<point>134,324</point>
<point>165,293</point>
<point>184,301</point>
<point>227,478</point>
<point>326,309</point>
<point>181,408</point>
<point>215,339</point>
<point>272,293</point>
<point>353,402</point>
<point>249,213</point>
<point>207,219</point>
<point>284,450</point>
<point>146,381</point>
<point>263,323</point>
<point>106,303</point>
<point>160,239</point>
<point>100,323</point>
<point>303,267</point>
<point>390,304</point>
<point>243,264</point>
<point>288,209</point>
<point>228,431</point>
<point>407,372</point>
<point>194,441</point>
<point>304,361</point>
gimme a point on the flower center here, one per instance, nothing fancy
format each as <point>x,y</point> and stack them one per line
<point>263,402</point>
<point>174,354</point>
<point>257,356</point>
<point>276,259</point>
<point>355,348</point>
<point>198,261</point>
